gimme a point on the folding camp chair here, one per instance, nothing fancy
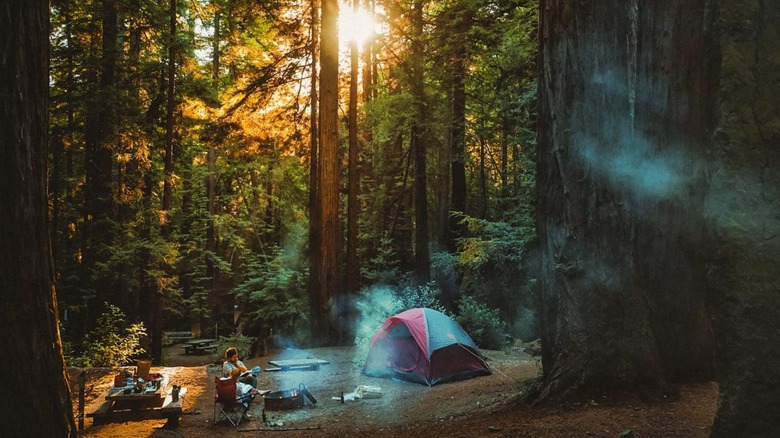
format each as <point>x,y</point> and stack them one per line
<point>227,404</point>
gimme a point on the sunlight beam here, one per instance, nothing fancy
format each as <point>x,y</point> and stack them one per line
<point>354,25</point>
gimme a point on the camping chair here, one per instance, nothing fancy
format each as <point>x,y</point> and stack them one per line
<point>227,405</point>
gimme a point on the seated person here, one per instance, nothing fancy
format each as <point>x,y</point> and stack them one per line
<point>233,367</point>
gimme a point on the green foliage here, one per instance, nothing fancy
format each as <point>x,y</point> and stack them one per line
<point>273,295</point>
<point>383,266</point>
<point>491,266</point>
<point>482,323</point>
<point>241,342</point>
<point>111,342</point>
<point>245,131</point>
<point>491,260</point>
<point>410,297</point>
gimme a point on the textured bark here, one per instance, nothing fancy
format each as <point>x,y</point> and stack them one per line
<point>743,211</point>
<point>627,103</point>
<point>353,184</point>
<point>326,268</point>
<point>39,402</point>
<point>422,266</point>
<point>314,195</point>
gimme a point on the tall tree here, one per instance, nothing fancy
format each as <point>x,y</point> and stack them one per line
<point>422,266</point>
<point>626,111</point>
<point>28,304</point>
<point>326,279</point>
<point>353,177</point>
<point>101,124</point>
<point>457,25</point>
<point>314,159</point>
<point>743,214</point>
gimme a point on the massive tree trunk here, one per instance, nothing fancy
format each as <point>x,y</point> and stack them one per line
<point>39,402</point>
<point>326,279</point>
<point>743,212</point>
<point>627,101</point>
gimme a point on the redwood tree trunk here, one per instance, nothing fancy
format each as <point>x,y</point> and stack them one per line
<point>422,265</point>
<point>353,208</point>
<point>744,217</point>
<point>627,104</point>
<point>39,401</point>
<point>325,272</point>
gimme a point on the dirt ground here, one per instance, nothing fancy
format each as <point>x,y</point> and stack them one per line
<point>483,406</point>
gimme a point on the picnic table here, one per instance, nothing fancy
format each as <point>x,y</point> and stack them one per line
<point>296,364</point>
<point>199,346</point>
<point>125,404</point>
<point>170,338</point>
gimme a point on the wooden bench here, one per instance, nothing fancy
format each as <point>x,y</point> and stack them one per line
<point>101,414</point>
<point>171,410</point>
<point>200,346</point>
<point>168,409</point>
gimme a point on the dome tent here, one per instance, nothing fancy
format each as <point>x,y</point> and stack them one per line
<point>424,346</point>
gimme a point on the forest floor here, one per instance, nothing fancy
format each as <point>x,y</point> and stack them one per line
<point>483,406</point>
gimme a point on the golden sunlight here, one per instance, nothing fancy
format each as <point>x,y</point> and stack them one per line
<point>355,25</point>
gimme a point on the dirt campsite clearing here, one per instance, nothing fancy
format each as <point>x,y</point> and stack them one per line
<point>481,406</point>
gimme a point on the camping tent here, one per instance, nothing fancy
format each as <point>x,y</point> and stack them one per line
<point>424,346</point>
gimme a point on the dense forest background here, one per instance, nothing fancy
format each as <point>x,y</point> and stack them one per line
<point>184,146</point>
<point>212,166</point>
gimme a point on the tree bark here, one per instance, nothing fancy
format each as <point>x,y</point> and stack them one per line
<point>326,269</point>
<point>28,304</point>
<point>154,317</point>
<point>627,101</point>
<point>422,267</point>
<point>314,194</point>
<point>743,212</point>
<point>353,185</point>
<point>458,131</point>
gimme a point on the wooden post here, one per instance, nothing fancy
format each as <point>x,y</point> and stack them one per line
<point>82,379</point>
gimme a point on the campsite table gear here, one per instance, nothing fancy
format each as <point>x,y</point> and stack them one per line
<point>131,403</point>
<point>287,399</point>
<point>142,368</point>
<point>120,380</point>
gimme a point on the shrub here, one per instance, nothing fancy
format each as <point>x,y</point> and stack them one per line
<point>273,295</point>
<point>482,323</point>
<point>241,342</point>
<point>110,343</point>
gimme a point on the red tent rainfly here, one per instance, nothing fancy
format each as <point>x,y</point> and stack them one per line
<point>425,346</point>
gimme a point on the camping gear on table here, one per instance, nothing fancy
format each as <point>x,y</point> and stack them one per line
<point>287,399</point>
<point>425,346</point>
<point>142,368</point>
